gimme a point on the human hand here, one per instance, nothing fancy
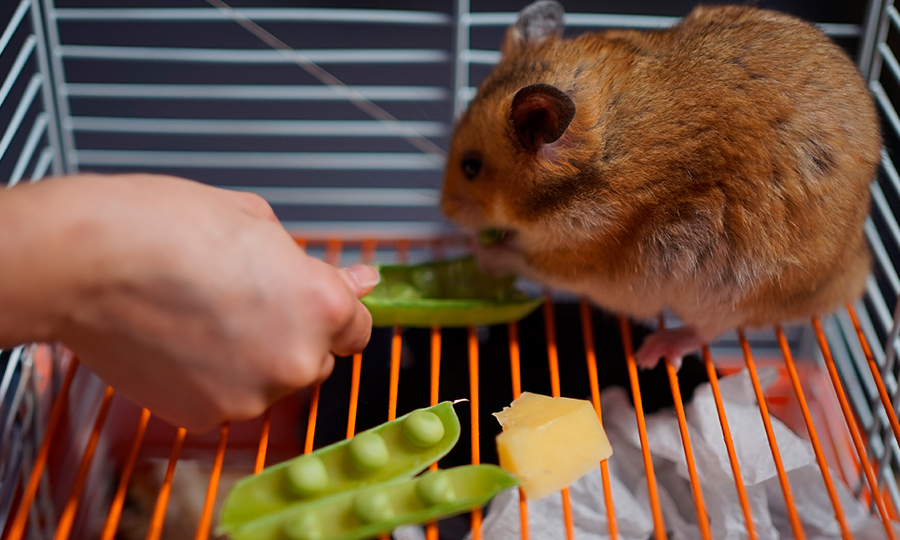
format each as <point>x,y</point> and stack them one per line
<point>191,301</point>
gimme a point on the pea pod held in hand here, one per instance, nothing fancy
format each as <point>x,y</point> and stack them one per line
<point>453,293</point>
<point>398,449</point>
<point>376,510</point>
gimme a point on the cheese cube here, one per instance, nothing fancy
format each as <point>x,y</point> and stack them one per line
<point>548,443</point>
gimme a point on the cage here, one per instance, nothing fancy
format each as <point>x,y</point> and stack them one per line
<point>337,116</point>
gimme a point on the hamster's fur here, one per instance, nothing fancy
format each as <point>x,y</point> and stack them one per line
<point>719,168</point>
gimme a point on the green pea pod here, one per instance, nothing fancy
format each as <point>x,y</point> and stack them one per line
<point>452,293</point>
<point>376,510</point>
<point>398,449</point>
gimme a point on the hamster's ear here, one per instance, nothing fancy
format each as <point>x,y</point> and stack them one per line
<point>537,22</point>
<point>540,114</point>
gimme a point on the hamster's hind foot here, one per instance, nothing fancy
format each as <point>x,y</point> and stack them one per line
<point>672,343</point>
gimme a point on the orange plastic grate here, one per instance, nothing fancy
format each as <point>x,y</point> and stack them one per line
<point>431,529</point>
<point>587,332</point>
<point>260,463</point>
<point>729,444</point>
<point>64,527</point>
<point>17,528</point>
<point>793,516</point>
<point>813,436</point>
<point>333,249</point>
<point>115,509</point>
<point>854,430</point>
<point>367,255</point>
<point>553,361</point>
<point>696,490</point>
<point>154,531</point>
<point>515,374</point>
<point>213,486</point>
<point>659,527</point>
<point>473,415</point>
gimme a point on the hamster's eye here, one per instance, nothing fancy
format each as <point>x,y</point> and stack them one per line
<point>471,165</point>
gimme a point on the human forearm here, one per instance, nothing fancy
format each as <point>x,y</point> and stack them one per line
<point>190,300</point>
<point>37,250</point>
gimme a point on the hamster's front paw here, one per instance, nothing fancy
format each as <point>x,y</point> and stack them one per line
<point>671,343</point>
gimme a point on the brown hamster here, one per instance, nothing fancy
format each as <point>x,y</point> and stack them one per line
<point>720,169</point>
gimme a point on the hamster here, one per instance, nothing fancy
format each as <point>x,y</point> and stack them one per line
<point>719,168</point>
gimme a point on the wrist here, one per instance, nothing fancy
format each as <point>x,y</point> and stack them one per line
<point>37,263</point>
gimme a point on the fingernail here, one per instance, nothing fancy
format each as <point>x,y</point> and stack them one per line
<point>364,275</point>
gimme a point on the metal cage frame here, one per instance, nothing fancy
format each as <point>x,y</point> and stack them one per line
<point>47,133</point>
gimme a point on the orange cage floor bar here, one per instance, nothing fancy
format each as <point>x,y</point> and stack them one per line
<point>861,471</point>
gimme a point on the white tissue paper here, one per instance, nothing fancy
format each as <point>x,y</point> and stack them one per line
<point>629,486</point>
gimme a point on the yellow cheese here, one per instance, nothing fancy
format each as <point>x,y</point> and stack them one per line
<point>548,443</point>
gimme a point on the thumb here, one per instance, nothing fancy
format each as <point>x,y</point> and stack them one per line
<point>360,278</point>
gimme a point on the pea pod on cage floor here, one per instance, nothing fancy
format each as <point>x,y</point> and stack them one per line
<point>375,510</point>
<point>451,293</point>
<point>398,449</point>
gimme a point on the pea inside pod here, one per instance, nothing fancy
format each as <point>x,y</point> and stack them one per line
<point>369,451</point>
<point>423,428</point>
<point>384,453</point>
<point>303,526</point>
<point>435,489</point>
<point>372,511</point>
<point>308,476</point>
<point>451,293</point>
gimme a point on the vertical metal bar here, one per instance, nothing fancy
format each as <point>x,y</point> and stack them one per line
<point>460,58</point>
<point>854,430</point>
<point>12,363</point>
<point>876,375</point>
<point>58,81</point>
<point>890,350</point>
<point>874,31</point>
<point>49,90</point>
